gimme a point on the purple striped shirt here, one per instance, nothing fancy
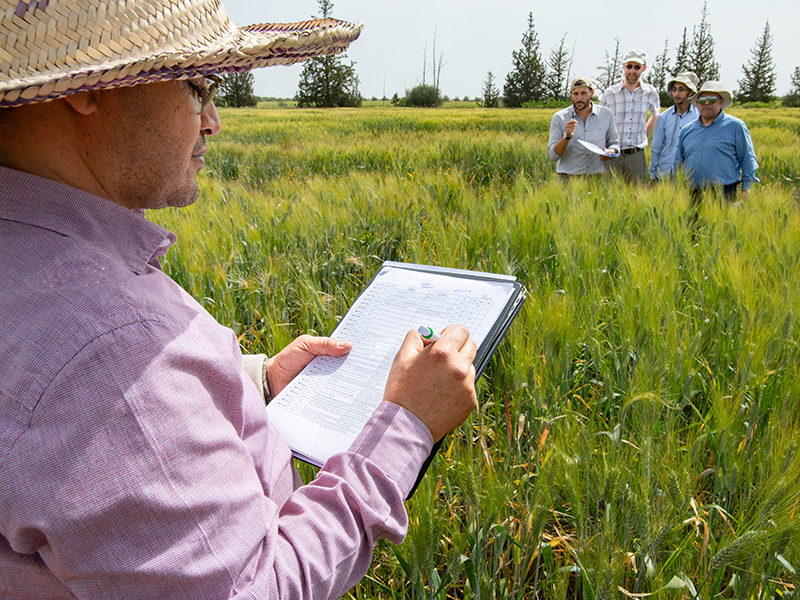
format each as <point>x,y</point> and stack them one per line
<point>136,458</point>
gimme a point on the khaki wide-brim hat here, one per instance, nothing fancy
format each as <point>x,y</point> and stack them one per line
<point>53,48</point>
<point>716,88</point>
<point>687,78</point>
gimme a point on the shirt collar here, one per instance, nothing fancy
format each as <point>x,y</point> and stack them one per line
<point>720,117</point>
<point>692,109</point>
<point>593,111</point>
<point>115,230</point>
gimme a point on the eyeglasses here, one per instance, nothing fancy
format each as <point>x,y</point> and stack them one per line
<point>205,94</point>
<point>633,67</point>
<point>709,99</point>
<point>678,89</point>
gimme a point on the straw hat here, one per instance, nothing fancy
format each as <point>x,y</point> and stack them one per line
<point>53,48</point>
<point>716,88</point>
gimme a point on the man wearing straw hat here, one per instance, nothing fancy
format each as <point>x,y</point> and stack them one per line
<point>136,458</point>
<point>670,123</point>
<point>716,150</point>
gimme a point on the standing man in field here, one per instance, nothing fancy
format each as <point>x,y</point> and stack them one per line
<point>666,134</point>
<point>586,121</point>
<point>136,457</point>
<point>716,150</point>
<point>630,100</point>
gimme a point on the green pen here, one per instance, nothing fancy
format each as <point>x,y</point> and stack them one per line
<point>428,334</point>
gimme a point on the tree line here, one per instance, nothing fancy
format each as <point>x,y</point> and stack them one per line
<point>534,80</point>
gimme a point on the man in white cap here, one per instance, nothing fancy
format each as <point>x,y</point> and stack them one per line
<point>630,100</point>
<point>136,458</point>
<point>716,150</point>
<point>585,121</point>
<point>670,123</point>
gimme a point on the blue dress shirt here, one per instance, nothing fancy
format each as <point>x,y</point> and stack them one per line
<point>718,154</point>
<point>666,136</point>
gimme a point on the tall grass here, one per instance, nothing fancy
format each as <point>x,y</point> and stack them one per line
<point>638,428</point>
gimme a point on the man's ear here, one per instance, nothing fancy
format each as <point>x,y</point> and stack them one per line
<point>84,103</point>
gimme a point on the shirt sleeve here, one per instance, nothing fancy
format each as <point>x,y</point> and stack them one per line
<point>746,156</point>
<point>557,131</point>
<point>657,146</point>
<point>150,470</point>
<point>655,103</point>
<point>612,137</point>
<point>605,98</point>
<point>679,150</point>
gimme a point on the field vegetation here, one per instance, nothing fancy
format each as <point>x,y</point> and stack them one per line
<point>638,428</point>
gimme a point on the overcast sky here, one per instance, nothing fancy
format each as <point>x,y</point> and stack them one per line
<point>478,36</point>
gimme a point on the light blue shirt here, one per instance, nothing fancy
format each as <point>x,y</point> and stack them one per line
<point>599,129</point>
<point>718,154</point>
<point>666,136</point>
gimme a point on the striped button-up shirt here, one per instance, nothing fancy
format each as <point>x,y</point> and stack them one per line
<point>136,458</point>
<point>630,111</point>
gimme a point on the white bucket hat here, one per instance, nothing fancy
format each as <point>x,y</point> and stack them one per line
<point>53,48</point>
<point>716,88</point>
<point>687,78</point>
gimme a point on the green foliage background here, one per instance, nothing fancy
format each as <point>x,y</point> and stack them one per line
<point>637,429</point>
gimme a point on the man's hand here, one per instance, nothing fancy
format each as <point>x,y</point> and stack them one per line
<point>435,382</point>
<point>608,151</point>
<point>286,364</point>
<point>570,127</point>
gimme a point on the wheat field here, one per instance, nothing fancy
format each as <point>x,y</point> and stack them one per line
<point>637,430</point>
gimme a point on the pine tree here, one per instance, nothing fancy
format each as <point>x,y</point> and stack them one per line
<point>560,63</point>
<point>236,90</point>
<point>491,95</point>
<point>793,97</point>
<point>701,54</point>
<point>658,74</point>
<point>758,83</point>
<point>682,56</point>
<point>527,80</point>
<point>610,71</point>
<point>327,81</point>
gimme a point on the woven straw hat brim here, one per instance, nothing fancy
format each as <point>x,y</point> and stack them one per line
<point>60,47</point>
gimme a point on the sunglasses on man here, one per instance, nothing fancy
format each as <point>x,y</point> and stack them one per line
<point>633,67</point>
<point>710,99</point>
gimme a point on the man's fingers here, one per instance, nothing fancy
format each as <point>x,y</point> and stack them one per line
<point>322,346</point>
<point>286,364</point>
<point>456,337</point>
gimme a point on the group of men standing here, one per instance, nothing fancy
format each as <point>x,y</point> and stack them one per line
<point>715,149</point>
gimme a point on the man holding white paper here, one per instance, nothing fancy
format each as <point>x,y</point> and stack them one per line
<point>586,122</point>
<point>137,459</point>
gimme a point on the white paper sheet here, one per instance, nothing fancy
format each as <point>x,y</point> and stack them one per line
<point>327,405</point>
<point>597,149</point>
